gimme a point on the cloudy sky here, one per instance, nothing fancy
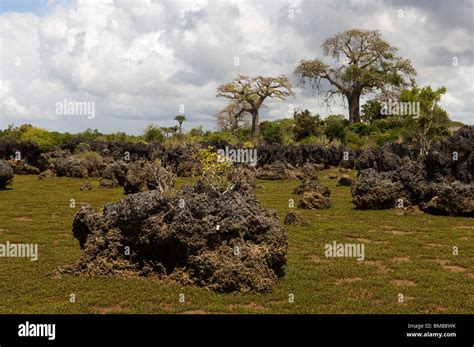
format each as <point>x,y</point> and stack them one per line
<point>138,61</point>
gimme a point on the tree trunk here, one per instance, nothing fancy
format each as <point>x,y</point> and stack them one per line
<point>255,124</point>
<point>354,110</point>
<point>180,128</point>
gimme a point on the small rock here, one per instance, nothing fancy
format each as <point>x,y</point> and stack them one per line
<point>46,174</point>
<point>344,180</point>
<point>86,186</point>
<point>312,185</point>
<point>295,218</point>
<point>314,200</point>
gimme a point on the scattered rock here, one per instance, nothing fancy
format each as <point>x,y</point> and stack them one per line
<point>344,180</point>
<point>244,179</point>
<point>71,167</point>
<point>114,175</point>
<point>404,207</point>
<point>295,218</point>
<point>21,167</point>
<point>315,200</point>
<point>276,171</point>
<point>408,211</point>
<point>455,199</point>
<point>344,170</point>
<point>312,185</point>
<point>309,171</point>
<point>373,191</point>
<point>86,186</point>
<point>46,174</point>
<point>382,161</point>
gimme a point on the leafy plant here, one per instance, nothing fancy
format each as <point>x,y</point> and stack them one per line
<point>212,168</point>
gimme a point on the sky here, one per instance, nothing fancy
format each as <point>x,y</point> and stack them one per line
<point>145,61</point>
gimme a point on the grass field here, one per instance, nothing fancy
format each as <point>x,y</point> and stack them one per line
<point>409,255</point>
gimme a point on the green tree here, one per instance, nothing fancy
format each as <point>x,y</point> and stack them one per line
<point>180,119</point>
<point>89,134</point>
<point>271,132</point>
<point>232,118</point>
<point>248,94</point>
<point>368,64</point>
<point>10,132</point>
<point>335,127</point>
<point>42,137</point>
<point>432,122</point>
<point>371,111</point>
<point>197,132</point>
<point>306,125</point>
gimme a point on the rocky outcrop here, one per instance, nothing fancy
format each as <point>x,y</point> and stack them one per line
<point>6,174</point>
<point>222,240</point>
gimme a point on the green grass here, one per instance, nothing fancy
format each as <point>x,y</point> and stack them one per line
<point>405,248</point>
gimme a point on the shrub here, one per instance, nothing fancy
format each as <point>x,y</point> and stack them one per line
<point>213,169</point>
<point>306,125</point>
<point>271,132</point>
<point>153,134</point>
<point>335,128</point>
<point>309,140</point>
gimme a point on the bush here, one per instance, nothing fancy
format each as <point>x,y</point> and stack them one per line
<point>271,132</point>
<point>335,128</point>
<point>309,140</point>
<point>371,111</point>
<point>219,137</point>
<point>306,125</point>
<point>354,140</point>
<point>213,169</point>
<point>41,137</point>
<point>359,128</point>
<point>153,134</point>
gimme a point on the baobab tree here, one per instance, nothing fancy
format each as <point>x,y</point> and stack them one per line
<point>180,119</point>
<point>250,93</point>
<point>233,117</point>
<point>368,64</point>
